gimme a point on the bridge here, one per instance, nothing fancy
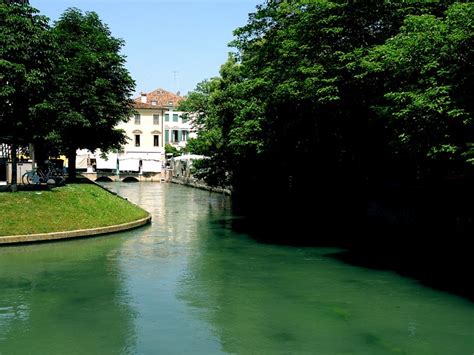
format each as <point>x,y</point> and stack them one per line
<point>123,176</point>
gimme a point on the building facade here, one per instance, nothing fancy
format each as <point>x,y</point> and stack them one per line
<point>178,128</point>
<point>155,123</point>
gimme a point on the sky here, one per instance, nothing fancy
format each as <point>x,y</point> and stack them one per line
<point>171,45</point>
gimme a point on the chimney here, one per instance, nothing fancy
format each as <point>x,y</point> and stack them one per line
<point>143,97</point>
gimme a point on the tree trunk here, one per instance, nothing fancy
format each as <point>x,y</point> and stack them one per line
<point>14,182</point>
<point>71,168</point>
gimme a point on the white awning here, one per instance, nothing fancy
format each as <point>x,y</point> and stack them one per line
<point>151,166</point>
<point>109,163</point>
<point>129,164</point>
<point>190,157</point>
<point>142,155</point>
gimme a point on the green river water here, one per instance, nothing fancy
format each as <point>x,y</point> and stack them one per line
<point>189,284</point>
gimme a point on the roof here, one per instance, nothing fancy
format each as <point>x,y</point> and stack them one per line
<point>163,99</point>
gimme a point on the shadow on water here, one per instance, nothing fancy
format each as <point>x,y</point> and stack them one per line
<point>441,264</point>
<point>423,234</point>
<point>278,298</point>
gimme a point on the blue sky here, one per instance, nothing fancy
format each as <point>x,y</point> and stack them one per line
<point>168,44</point>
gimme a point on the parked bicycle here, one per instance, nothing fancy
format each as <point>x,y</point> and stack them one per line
<point>43,175</point>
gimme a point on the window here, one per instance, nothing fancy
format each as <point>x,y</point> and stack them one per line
<point>175,117</point>
<point>137,140</point>
<point>167,136</point>
<point>137,118</point>
<point>156,140</point>
<point>184,135</point>
<point>167,117</point>
<point>174,136</point>
<point>184,118</point>
<point>156,119</point>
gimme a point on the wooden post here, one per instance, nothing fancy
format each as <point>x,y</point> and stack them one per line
<point>14,182</point>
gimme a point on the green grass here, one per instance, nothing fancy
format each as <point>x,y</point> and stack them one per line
<point>75,206</point>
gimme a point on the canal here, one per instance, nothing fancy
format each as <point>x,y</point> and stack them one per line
<point>188,283</point>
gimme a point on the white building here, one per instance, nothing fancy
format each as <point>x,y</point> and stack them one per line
<point>177,128</point>
<point>154,124</point>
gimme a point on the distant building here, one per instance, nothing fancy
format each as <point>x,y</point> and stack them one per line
<point>177,129</point>
<point>154,124</point>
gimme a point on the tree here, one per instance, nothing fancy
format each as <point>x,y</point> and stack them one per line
<point>27,59</point>
<point>289,101</point>
<point>214,104</point>
<point>427,103</point>
<point>197,109</point>
<point>94,87</point>
<point>314,111</point>
<point>26,2</point>
<point>171,149</point>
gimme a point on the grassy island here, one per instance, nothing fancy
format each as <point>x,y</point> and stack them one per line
<point>72,207</point>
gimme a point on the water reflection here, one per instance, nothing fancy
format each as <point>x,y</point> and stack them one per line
<point>154,260</point>
<point>64,298</point>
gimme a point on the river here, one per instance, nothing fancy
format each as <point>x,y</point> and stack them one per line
<point>189,284</point>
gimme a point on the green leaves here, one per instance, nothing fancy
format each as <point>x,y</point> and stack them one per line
<point>63,87</point>
<point>94,85</point>
<point>426,93</point>
<point>348,86</point>
<point>27,54</point>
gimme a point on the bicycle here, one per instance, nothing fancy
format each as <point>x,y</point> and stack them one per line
<point>40,176</point>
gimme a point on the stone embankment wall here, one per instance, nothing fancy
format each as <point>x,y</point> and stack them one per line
<point>192,182</point>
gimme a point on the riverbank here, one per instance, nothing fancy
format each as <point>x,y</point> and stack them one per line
<point>197,184</point>
<point>75,207</point>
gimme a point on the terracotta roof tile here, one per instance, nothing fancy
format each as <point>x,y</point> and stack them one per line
<point>163,98</point>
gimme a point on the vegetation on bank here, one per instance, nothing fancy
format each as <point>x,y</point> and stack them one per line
<point>338,102</point>
<point>72,207</point>
<point>377,91</point>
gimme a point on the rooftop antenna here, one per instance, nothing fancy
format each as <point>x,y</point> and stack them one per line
<point>176,80</point>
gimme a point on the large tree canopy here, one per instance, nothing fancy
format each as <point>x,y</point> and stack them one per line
<point>324,99</point>
<point>94,87</point>
<point>62,88</point>
<point>311,108</point>
<point>27,61</point>
<point>427,77</point>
